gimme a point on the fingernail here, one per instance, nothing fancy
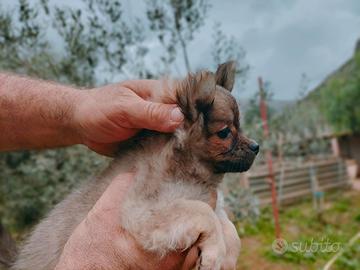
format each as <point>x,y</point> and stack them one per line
<point>176,115</point>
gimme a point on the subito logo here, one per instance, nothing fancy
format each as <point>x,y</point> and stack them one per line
<point>279,246</point>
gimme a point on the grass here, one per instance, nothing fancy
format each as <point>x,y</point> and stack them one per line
<point>350,259</point>
<point>312,238</point>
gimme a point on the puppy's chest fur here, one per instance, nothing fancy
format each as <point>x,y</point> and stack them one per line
<point>164,175</point>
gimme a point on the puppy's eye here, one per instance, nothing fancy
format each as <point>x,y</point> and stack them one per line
<point>224,133</point>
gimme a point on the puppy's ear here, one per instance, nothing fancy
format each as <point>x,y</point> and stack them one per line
<point>195,94</point>
<point>225,75</point>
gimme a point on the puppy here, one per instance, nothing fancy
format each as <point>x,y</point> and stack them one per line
<point>167,208</point>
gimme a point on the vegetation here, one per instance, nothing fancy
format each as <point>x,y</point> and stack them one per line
<point>332,108</point>
<point>253,123</point>
<point>340,221</point>
<point>339,100</point>
<point>33,181</point>
<point>334,102</point>
<point>350,259</point>
<point>99,42</point>
<point>89,44</point>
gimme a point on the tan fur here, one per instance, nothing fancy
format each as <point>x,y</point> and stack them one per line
<point>167,208</point>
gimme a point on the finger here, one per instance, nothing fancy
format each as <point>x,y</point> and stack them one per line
<point>105,149</point>
<point>152,90</point>
<point>111,149</point>
<point>155,116</point>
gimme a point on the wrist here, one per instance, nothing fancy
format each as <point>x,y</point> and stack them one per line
<point>74,124</point>
<point>70,126</point>
<point>82,114</point>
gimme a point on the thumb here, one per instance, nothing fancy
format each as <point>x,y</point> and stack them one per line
<point>155,116</point>
<point>112,198</point>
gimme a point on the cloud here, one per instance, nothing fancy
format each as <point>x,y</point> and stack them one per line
<point>284,39</point>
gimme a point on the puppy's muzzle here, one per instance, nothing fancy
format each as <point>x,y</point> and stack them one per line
<point>241,159</point>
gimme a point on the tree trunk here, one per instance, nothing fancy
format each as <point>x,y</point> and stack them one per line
<point>185,54</point>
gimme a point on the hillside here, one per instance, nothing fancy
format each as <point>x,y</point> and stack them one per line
<point>333,102</point>
<point>348,70</point>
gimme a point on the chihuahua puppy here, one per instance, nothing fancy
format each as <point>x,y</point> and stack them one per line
<point>167,208</point>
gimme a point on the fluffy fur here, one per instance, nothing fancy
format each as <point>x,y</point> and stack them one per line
<point>167,208</point>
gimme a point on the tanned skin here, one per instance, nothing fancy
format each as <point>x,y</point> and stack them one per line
<point>38,114</point>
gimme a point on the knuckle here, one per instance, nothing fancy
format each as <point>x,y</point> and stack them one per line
<point>151,110</point>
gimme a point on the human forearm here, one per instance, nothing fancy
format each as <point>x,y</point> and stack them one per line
<point>40,114</point>
<point>36,114</point>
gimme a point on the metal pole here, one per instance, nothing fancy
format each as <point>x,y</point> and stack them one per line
<point>263,112</point>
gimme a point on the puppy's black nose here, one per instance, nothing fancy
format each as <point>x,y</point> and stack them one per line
<point>254,147</point>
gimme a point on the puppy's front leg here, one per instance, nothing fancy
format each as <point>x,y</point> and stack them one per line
<point>180,225</point>
<point>231,237</point>
<point>232,243</point>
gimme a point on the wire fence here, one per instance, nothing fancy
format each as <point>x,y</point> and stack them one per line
<point>294,181</point>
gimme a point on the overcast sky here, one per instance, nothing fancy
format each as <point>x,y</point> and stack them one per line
<point>282,38</point>
<point>285,38</point>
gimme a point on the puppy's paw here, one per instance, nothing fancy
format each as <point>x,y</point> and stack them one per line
<point>229,264</point>
<point>232,242</point>
<point>232,253</point>
<point>212,257</point>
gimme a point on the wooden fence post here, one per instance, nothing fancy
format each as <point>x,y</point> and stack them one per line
<point>263,112</point>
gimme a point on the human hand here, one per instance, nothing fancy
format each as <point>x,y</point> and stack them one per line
<point>100,243</point>
<point>107,115</point>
